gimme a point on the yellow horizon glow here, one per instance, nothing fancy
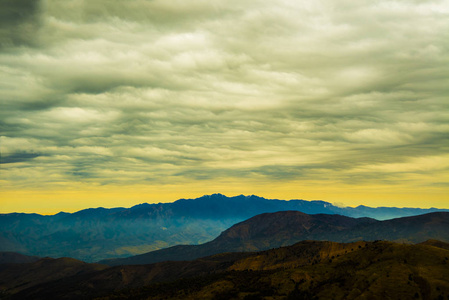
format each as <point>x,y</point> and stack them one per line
<point>49,202</point>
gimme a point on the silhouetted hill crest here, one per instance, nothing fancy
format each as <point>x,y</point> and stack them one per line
<point>16,258</point>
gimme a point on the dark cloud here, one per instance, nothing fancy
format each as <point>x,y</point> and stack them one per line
<point>17,157</point>
<point>19,22</point>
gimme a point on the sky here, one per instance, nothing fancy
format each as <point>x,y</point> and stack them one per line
<point>114,103</point>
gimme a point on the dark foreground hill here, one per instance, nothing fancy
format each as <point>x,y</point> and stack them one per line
<point>95,234</point>
<point>378,270</point>
<point>273,230</point>
<point>20,276</point>
<point>16,258</point>
<point>306,270</point>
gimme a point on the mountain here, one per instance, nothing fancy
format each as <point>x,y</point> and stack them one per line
<point>436,243</point>
<point>407,229</point>
<point>272,230</point>
<point>99,233</point>
<point>306,270</point>
<point>16,258</point>
<point>17,277</point>
<point>261,232</point>
<point>323,270</point>
<point>283,228</point>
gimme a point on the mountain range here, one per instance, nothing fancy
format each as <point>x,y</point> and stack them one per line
<point>272,230</point>
<point>99,233</point>
<point>268,256</point>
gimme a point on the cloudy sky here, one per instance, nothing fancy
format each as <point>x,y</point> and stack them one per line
<point>114,103</point>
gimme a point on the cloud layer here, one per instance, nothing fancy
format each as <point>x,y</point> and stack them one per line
<point>136,92</point>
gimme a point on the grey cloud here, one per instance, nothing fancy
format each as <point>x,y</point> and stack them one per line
<point>141,91</point>
<point>19,22</point>
<point>169,13</point>
<point>17,157</point>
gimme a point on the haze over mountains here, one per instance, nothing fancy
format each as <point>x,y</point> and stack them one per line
<point>272,230</point>
<point>279,255</point>
<point>95,234</point>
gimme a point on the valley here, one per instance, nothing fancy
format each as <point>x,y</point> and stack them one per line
<point>279,255</point>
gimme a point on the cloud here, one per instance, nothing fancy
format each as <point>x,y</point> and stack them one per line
<point>17,157</point>
<point>19,22</point>
<point>108,92</point>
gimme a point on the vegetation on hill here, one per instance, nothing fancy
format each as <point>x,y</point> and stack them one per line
<point>378,270</point>
<point>306,270</point>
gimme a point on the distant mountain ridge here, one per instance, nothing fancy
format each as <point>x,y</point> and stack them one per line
<point>272,230</point>
<point>99,233</point>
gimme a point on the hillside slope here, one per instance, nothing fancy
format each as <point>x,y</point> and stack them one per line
<point>16,258</point>
<point>17,277</point>
<point>378,270</point>
<point>272,230</point>
<point>306,270</point>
